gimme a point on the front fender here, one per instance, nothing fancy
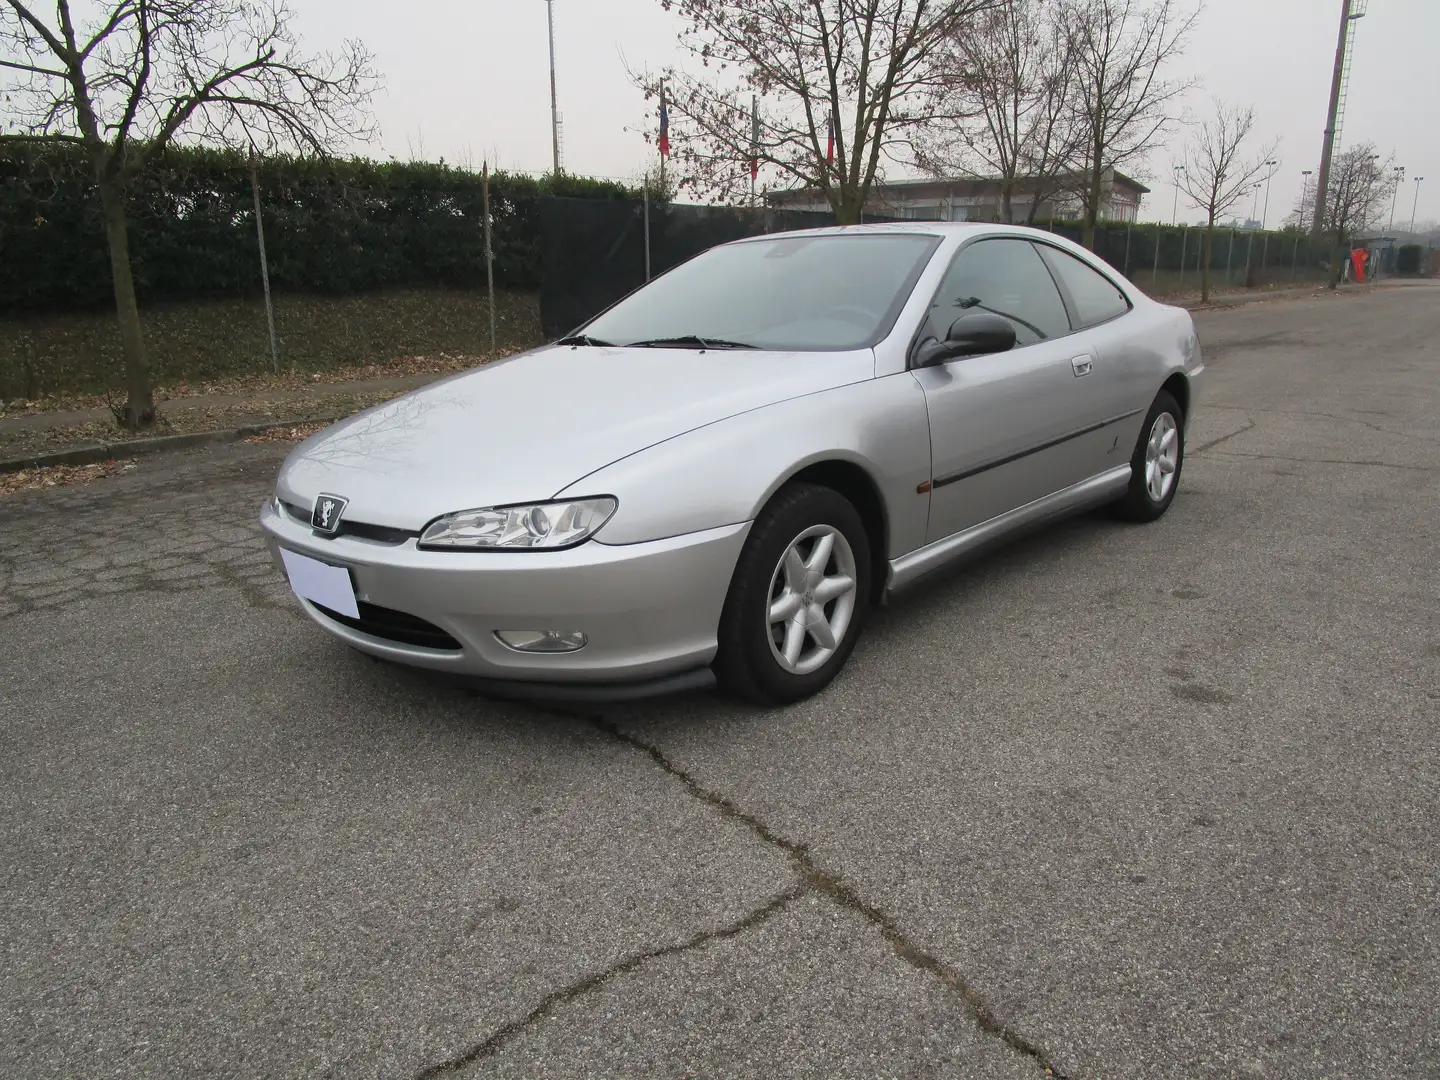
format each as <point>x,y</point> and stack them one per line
<point>725,472</point>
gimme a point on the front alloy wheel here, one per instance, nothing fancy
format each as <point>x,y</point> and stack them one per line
<point>1157,461</point>
<point>798,598</point>
<point>812,596</point>
<point>1162,456</point>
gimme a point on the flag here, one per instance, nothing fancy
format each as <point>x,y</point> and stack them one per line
<point>830,141</point>
<point>664,125</point>
<point>754,138</point>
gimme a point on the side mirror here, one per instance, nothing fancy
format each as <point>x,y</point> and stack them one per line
<point>976,334</point>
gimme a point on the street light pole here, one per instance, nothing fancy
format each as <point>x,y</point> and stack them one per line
<point>1399,172</point>
<point>1268,177</point>
<point>1175,212</point>
<point>554,105</point>
<point>1305,175</point>
<point>1416,205</point>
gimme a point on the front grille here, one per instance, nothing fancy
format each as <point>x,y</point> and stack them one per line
<point>383,622</point>
<point>383,534</point>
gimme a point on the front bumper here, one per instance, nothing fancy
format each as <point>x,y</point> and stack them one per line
<point>648,610</point>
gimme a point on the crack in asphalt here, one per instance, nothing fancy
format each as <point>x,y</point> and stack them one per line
<point>1326,461</point>
<point>827,884</point>
<point>1249,426</point>
<point>1326,416</point>
<point>547,1006</point>
<point>813,880</point>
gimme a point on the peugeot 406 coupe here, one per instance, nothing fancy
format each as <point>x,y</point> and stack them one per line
<point>716,479</point>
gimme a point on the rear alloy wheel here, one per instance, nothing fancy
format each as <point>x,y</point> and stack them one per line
<point>1156,463</point>
<point>800,593</point>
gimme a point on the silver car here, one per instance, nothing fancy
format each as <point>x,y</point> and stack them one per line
<point>717,478</point>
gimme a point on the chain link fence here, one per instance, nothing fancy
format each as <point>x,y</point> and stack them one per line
<point>370,262</point>
<point>1169,260</point>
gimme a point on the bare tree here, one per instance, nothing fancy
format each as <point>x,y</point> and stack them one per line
<point>1121,48</point>
<point>870,65</point>
<point>1009,84</point>
<point>138,74</point>
<point>1360,184</point>
<point>1217,174</point>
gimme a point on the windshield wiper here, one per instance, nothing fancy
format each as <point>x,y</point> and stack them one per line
<point>584,339</point>
<point>689,341</point>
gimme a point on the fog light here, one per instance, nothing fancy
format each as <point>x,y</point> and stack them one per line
<point>542,641</point>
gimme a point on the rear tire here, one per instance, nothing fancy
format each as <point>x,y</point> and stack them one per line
<point>1156,464</point>
<point>798,598</point>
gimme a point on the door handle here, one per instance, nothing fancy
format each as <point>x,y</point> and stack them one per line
<point>1081,365</point>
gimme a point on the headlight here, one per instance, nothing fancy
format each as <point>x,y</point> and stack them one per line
<point>536,525</point>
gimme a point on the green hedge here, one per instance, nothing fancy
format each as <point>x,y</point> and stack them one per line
<point>331,227</point>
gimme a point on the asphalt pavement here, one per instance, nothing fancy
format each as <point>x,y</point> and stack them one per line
<point>1119,801</point>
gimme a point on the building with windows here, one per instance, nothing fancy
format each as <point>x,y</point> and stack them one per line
<point>976,199</point>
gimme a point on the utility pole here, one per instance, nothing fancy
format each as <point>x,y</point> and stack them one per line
<point>1337,85</point>
<point>554,105</point>
<point>1399,173</point>
<point>264,263</point>
<point>1265,215</point>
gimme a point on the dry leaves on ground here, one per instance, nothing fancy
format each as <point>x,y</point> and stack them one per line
<point>60,475</point>
<point>286,434</point>
<point>320,410</point>
<point>436,364</point>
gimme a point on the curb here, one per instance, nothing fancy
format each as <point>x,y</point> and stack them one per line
<point>95,452</point>
<point>1228,300</point>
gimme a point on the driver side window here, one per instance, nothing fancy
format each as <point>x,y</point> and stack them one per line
<point>1004,277</point>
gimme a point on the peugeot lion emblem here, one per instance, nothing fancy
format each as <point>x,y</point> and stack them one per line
<point>326,516</point>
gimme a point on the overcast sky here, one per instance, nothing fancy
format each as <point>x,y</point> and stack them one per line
<point>469,79</point>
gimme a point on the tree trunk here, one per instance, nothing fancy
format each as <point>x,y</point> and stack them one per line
<point>1205,266</point>
<point>1007,205</point>
<point>1092,203</point>
<point>140,399</point>
<point>847,208</point>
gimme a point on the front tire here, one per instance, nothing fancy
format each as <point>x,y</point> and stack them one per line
<point>1156,463</point>
<point>798,599</point>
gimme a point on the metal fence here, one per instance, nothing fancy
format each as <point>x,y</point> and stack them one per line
<point>1169,260</point>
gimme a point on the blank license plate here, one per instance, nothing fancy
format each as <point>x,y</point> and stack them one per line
<point>320,583</point>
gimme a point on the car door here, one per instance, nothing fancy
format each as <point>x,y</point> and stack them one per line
<point>1118,389</point>
<point>1001,424</point>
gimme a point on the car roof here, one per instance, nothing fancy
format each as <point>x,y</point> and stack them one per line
<point>912,228</point>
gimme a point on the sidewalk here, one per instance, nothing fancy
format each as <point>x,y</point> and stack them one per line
<point>179,406</point>
<point>86,431</point>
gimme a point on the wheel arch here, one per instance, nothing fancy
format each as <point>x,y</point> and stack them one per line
<point>1178,387</point>
<point>853,481</point>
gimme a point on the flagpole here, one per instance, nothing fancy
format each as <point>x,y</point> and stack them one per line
<point>647,224</point>
<point>754,146</point>
<point>489,257</point>
<point>662,152</point>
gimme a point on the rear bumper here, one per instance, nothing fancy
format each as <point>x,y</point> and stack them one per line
<point>648,610</point>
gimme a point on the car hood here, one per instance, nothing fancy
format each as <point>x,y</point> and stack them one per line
<point>526,427</point>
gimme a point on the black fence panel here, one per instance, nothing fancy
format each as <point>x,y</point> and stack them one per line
<point>593,252</point>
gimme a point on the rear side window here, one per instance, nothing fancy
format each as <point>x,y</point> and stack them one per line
<point>1005,277</point>
<point>1096,298</point>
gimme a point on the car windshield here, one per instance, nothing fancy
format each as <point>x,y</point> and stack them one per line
<point>805,293</point>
